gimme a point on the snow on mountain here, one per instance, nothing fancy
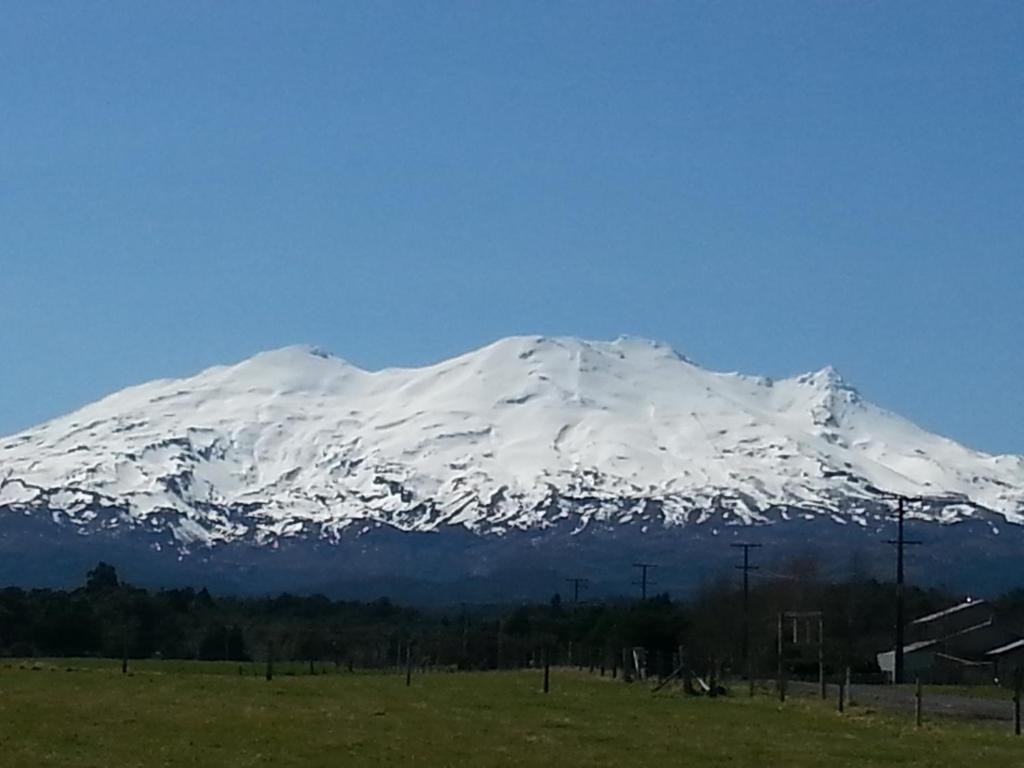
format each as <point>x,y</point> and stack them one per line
<point>526,433</point>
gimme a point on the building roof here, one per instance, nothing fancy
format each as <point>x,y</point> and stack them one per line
<point>949,611</point>
<point>920,645</point>
<point>962,662</point>
<point>968,630</point>
<point>887,659</point>
<point>1015,645</point>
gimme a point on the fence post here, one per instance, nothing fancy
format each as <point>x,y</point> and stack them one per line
<point>270,662</point>
<point>408,664</point>
<point>821,657</point>
<point>917,702</point>
<point>1018,678</point>
<point>780,681</point>
<point>499,660</point>
<point>849,688</point>
<point>547,671</point>
<point>842,691</point>
<point>750,675</point>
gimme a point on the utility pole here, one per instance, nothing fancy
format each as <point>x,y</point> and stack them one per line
<point>746,568</point>
<point>577,582</point>
<point>464,661</point>
<point>644,567</point>
<point>900,542</point>
<point>499,662</point>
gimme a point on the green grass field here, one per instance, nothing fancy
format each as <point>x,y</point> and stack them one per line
<point>79,713</point>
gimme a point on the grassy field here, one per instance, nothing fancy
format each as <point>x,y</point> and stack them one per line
<point>78,713</point>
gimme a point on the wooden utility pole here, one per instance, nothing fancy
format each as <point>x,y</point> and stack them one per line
<point>900,542</point>
<point>644,567</point>
<point>746,568</point>
<point>577,582</point>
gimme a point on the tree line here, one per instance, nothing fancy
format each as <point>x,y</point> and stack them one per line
<point>106,617</point>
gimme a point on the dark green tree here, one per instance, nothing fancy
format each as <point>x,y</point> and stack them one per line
<point>102,577</point>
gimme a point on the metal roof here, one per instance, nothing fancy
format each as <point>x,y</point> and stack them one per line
<point>949,611</point>
<point>918,645</point>
<point>1006,648</point>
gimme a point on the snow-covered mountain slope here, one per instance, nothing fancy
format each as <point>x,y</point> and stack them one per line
<point>526,433</point>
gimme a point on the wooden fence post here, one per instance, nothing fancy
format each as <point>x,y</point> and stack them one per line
<point>408,664</point>
<point>499,661</point>
<point>780,681</point>
<point>750,676</point>
<point>270,662</point>
<point>821,657</point>
<point>917,702</point>
<point>547,671</point>
<point>1018,678</point>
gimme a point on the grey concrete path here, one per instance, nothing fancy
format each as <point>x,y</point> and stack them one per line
<point>901,699</point>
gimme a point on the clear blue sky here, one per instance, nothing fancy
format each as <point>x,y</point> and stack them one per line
<point>768,186</point>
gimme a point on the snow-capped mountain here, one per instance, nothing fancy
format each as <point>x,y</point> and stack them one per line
<point>526,434</point>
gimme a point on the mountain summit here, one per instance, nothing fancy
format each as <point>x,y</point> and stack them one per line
<point>526,434</point>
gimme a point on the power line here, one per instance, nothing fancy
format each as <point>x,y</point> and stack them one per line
<point>746,568</point>
<point>577,582</point>
<point>644,567</point>
<point>900,542</point>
